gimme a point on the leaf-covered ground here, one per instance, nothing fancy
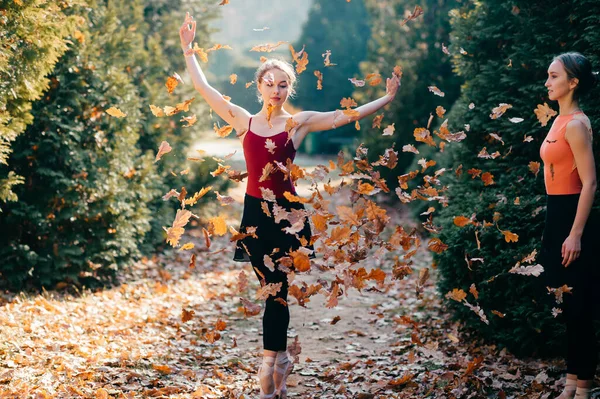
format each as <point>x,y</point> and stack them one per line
<point>172,331</point>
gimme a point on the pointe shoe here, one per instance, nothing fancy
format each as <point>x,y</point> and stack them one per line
<point>265,372</point>
<point>284,367</point>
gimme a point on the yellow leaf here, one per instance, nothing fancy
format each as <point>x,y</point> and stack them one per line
<point>116,112</point>
<point>219,227</point>
<point>187,246</point>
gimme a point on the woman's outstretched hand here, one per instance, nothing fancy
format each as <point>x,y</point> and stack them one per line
<point>187,32</point>
<point>391,86</point>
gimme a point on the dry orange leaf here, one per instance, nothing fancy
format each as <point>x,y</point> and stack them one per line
<point>233,78</point>
<point>319,76</point>
<point>473,290</point>
<point>457,295</point>
<point>186,315</point>
<point>462,221</point>
<point>436,245</point>
<point>164,369</point>
<point>348,102</point>
<point>418,11</point>
<point>487,178</point>
<point>172,82</point>
<point>440,111</point>
<point>544,113</point>
<point>423,135</point>
<point>534,167</point>
<point>510,237</point>
<point>224,131</point>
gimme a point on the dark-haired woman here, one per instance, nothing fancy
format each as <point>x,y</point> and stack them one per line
<point>570,179</point>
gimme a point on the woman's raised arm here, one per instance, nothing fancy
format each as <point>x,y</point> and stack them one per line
<point>234,115</point>
<point>313,121</point>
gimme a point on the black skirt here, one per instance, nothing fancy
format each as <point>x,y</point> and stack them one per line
<point>582,274</point>
<point>271,235</point>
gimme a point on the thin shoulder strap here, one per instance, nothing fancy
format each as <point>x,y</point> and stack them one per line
<point>247,130</point>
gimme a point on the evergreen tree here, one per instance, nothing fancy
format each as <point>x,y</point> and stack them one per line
<point>417,47</point>
<point>92,192</point>
<point>508,46</point>
<point>342,28</point>
<point>33,37</point>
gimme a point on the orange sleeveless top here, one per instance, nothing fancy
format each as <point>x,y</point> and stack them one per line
<point>560,171</point>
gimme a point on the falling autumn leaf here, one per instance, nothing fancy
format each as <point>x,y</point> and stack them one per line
<point>223,131</point>
<point>544,113</point>
<point>487,178</point>
<point>498,111</point>
<point>319,76</point>
<point>357,82</point>
<point>410,148</point>
<point>270,146</point>
<point>436,91</point>
<point>116,112</point>
<point>326,57</point>
<point>457,295</point>
<point>190,120</point>
<point>389,130</point>
<point>418,11</point>
<point>162,150</point>
<point>534,167</point>
<point>172,82</point>
<point>157,111</point>
<point>440,111</point>
<point>535,270</point>
<point>267,47</point>
<point>233,78</point>
<point>462,221</point>
<point>509,236</point>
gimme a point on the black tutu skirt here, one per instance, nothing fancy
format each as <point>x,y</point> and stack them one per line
<point>271,235</point>
<point>583,274</point>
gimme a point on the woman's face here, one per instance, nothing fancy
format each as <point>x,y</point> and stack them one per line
<point>274,87</point>
<point>558,83</point>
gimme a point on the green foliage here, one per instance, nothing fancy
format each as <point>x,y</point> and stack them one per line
<point>509,46</point>
<point>344,29</point>
<point>91,201</point>
<point>33,37</point>
<point>417,48</point>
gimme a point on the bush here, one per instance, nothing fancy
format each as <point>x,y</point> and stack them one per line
<point>417,48</point>
<point>509,46</point>
<point>92,191</point>
<point>33,37</point>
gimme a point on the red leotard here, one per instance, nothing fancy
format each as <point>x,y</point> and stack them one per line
<point>257,156</point>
